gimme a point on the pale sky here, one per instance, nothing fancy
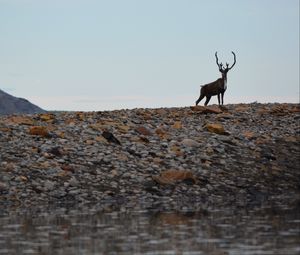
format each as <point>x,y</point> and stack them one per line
<point>113,54</point>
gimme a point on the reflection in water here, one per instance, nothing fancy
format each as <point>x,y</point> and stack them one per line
<point>263,230</point>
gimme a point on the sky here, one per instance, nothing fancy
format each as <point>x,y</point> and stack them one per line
<point>93,55</point>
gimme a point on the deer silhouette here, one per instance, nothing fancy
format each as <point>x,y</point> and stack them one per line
<point>217,87</point>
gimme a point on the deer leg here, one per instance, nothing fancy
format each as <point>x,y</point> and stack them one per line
<point>219,98</point>
<point>207,100</point>
<point>222,95</point>
<point>199,99</point>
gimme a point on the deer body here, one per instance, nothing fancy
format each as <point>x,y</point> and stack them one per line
<point>218,87</point>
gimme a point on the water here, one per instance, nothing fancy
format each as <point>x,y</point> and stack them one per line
<point>261,230</point>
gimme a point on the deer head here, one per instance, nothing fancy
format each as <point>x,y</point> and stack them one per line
<point>222,69</point>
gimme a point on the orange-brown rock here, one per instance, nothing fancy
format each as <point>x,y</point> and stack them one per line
<point>176,150</point>
<point>278,110</point>
<point>48,117</point>
<point>223,108</point>
<point>216,128</point>
<point>101,139</point>
<point>206,109</point>
<point>248,134</point>
<point>292,139</point>
<point>21,120</point>
<point>295,109</point>
<point>80,115</point>
<point>162,133</point>
<point>160,111</point>
<point>173,176</point>
<point>144,114</point>
<point>39,130</point>
<point>4,129</point>
<point>241,108</point>
<point>23,178</point>
<point>283,109</point>
<point>60,134</point>
<point>225,116</point>
<point>143,130</point>
<point>197,108</point>
<point>144,139</point>
<point>173,219</point>
<point>157,160</point>
<point>177,125</point>
<point>123,128</point>
<point>89,142</point>
<point>147,116</point>
<point>263,139</point>
<point>68,168</point>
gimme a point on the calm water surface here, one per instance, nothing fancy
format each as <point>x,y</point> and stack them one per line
<point>258,230</point>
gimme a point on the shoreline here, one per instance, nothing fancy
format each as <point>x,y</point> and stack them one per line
<point>187,157</point>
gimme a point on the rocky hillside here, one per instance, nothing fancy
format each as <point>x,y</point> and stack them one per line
<point>176,157</point>
<point>14,105</point>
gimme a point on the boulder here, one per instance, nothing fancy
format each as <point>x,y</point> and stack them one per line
<point>39,131</point>
<point>174,176</point>
<point>216,128</point>
<point>206,109</point>
<point>143,130</point>
<point>189,142</point>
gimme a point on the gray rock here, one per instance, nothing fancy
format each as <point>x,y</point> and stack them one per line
<point>190,142</point>
<point>49,185</point>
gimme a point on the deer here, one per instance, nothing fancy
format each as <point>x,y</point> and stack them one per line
<point>217,87</point>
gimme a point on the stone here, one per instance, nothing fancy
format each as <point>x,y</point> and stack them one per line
<point>242,108</point>
<point>295,109</point>
<point>206,109</point>
<point>73,182</point>
<point>3,187</point>
<point>279,110</point>
<point>101,139</point>
<point>173,176</point>
<point>5,129</point>
<point>89,142</point>
<point>39,131</point>
<point>162,133</point>
<point>49,185</point>
<point>176,149</point>
<point>225,115</point>
<point>248,134</point>
<point>175,219</point>
<point>21,120</point>
<point>123,128</point>
<point>216,128</point>
<point>23,178</point>
<point>110,137</point>
<point>177,125</point>
<point>56,151</point>
<point>190,142</point>
<point>143,131</point>
<point>47,117</point>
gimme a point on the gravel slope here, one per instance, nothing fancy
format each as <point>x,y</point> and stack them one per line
<point>179,157</point>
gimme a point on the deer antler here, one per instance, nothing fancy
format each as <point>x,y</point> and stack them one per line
<point>233,61</point>
<point>217,61</point>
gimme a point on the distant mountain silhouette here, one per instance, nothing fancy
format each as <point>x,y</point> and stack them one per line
<point>14,105</point>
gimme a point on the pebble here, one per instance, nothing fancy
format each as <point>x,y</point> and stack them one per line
<point>252,155</point>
